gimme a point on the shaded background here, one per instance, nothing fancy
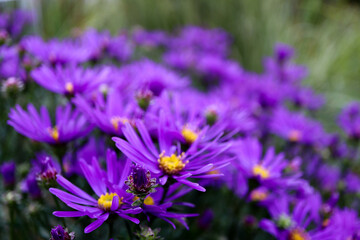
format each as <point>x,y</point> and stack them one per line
<point>326,34</point>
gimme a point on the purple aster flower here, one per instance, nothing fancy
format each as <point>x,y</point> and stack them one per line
<point>55,51</point>
<point>108,186</point>
<point>69,124</point>
<point>110,113</point>
<point>170,161</point>
<point>337,147</point>
<point>186,120</point>
<point>149,38</point>
<point>267,170</point>
<point>281,68</point>
<point>182,60</point>
<point>352,182</point>
<point>148,75</point>
<point>346,224</point>
<point>60,233</point>
<point>293,224</point>
<point>269,93</point>
<point>96,42</point>
<point>327,183</point>
<point>10,63</point>
<point>349,120</point>
<point>8,170</point>
<point>70,80</point>
<point>212,68</point>
<point>201,40</point>
<point>295,127</point>
<point>120,48</point>
<point>283,52</point>
<point>306,98</point>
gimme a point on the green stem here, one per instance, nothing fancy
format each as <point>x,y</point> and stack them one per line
<point>128,228</point>
<point>58,207</point>
<point>12,223</point>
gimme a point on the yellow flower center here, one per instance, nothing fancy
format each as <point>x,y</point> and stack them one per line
<point>116,120</point>
<point>147,201</point>
<point>54,133</point>
<point>105,201</point>
<point>326,222</point>
<point>69,87</point>
<point>298,234</point>
<point>258,195</point>
<point>189,135</point>
<point>213,172</point>
<point>295,135</point>
<point>171,164</point>
<point>260,171</point>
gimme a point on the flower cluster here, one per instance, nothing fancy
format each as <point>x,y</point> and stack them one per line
<point>136,142</point>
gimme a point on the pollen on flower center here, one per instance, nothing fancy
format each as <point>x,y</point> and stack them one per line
<point>298,234</point>
<point>69,87</point>
<point>171,164</point>
<point>189,135</point>
<point>149,201</point>
<point>258,195</point>
<point>105,201</point>
<point>116,120</point>
<point>260,171</point>
<point>295,135</point>
<point>54,133</point>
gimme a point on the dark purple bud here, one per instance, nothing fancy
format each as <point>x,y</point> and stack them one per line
<point>206,219</point>
<point>140,182</point>
<point>59,233</point>
<point>8,173</point>
<point>140,177</point>
<point>48,172</point>
<point>283,52</point>
<point>30,185</point>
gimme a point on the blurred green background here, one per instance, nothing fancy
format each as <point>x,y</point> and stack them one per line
<point>326,34</point>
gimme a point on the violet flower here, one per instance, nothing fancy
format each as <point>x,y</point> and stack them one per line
<point>108,186</point>
<point>69,124</point>
<point>170,161</point>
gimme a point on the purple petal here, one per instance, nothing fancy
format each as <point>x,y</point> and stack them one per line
<point>97,223</point>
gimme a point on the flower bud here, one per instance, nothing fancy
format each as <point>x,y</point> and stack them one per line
<point>59,233</point>
<point>8,172</point>
<point>140,182</point>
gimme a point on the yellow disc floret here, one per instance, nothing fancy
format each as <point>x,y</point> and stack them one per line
<point>105,201</point>
<point>171,164</point>
<point>54,133</point>
<point>69,87</point>
<point>149,201</point>
<point>261,172</point>
<point>298,234</point>
<point>189,135</point>
<point>295,135</point>
<point>116,120</point>
<point>258,195</point>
